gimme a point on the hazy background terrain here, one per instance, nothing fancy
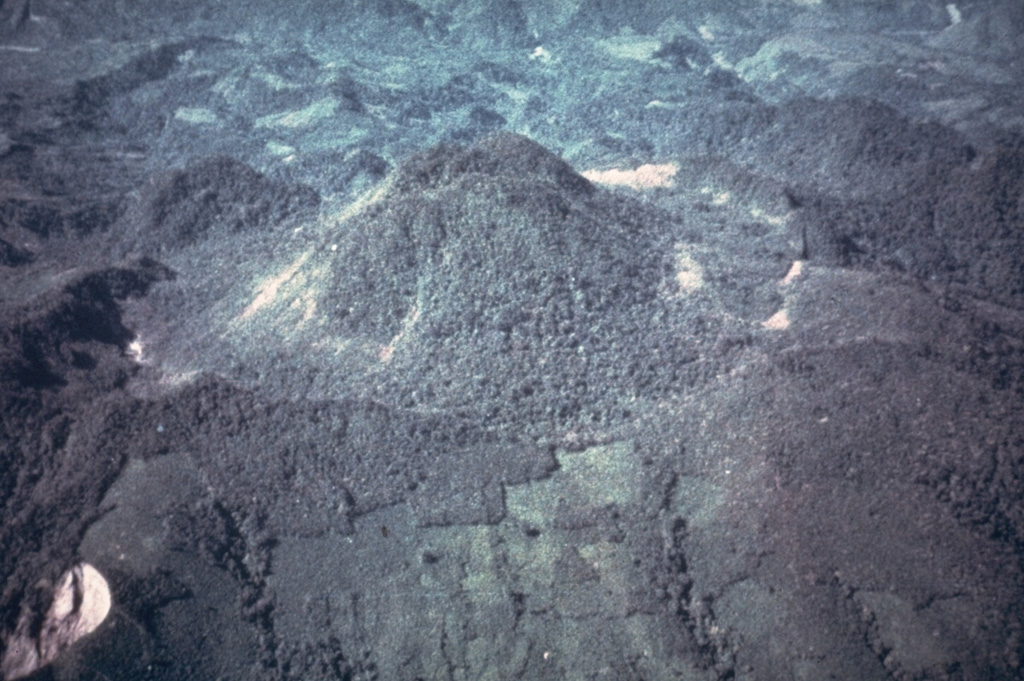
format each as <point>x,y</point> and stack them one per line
<point>502,339</point>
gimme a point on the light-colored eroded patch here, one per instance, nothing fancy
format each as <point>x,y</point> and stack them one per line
<point>301,118</point>
<point>772,57</point>
<point>777,322</point>
<point>659,104</point>
<point>633,47</point>
<point>722,62</point>
<point>273,81</point>
<point>304,306</point>
<point>689,273</point>
<point>795,270</point>
<point>954,14</point>
<point>540,54</point>
<point>81,602</point>
<point>774,220</point>
<point>279,149</point>
<point>196,115</point>
<point>646,176</point>
<point>134,351</point>
<point>719,198</point>
<point>269,288</point>
<point>288,299</point>
<point>174,379</point>
<point>517,95</point>
<point>367,199</point>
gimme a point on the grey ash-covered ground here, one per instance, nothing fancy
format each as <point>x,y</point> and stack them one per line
<point>582,340</point>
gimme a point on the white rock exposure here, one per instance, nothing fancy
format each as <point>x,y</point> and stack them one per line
<point>81,601</point>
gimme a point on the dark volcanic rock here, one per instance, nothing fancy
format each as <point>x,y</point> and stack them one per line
<point>262,456</point>
<point>504,154</point>
<point>41,197</point>
<point>486,119</point>
<point>994,29</point>
<point>853,146</point>
<point>684,53</point>
<point>611,16</point>
<point>91,97</point>
<point>496,24</point>
<point>334,171</point>
<point>211,196</point>
<point>12,256</point>
<point>61,363</point>
<point>45,339</point>
<point>956,223</point>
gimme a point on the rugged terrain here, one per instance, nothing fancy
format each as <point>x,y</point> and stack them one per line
<point>507,339</point>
